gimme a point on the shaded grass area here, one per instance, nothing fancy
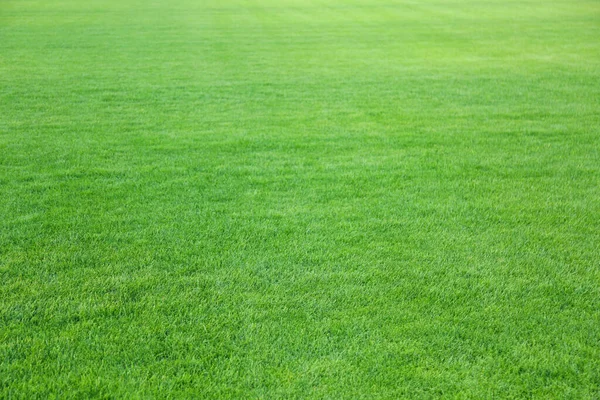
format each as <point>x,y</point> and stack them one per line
<point>324,199</point>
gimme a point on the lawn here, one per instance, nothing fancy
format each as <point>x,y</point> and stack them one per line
<point>300,199</point>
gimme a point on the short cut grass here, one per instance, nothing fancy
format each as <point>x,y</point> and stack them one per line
<point>300,199</point>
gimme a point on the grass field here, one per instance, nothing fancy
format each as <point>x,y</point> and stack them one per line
<point>300,199</point>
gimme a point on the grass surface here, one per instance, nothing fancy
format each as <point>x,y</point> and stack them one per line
<point>300,198</point>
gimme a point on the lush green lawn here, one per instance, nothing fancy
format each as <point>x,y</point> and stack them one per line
<point>300,198</point>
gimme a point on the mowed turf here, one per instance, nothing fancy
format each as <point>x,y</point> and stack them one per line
<point>300,199</point>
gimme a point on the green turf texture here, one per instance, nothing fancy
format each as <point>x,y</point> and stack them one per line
<point>300,199</point>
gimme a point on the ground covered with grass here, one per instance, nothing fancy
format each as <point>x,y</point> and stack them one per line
<point>300,198</point>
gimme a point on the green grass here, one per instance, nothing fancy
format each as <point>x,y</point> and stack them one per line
<point>300,199</point>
